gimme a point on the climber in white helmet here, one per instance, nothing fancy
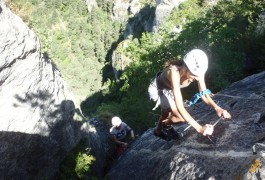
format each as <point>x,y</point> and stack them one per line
<point>119,131</point>
<point>179,74</point>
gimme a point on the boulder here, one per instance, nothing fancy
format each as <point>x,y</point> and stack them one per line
<point>39,119</point>
<point>234,151</point>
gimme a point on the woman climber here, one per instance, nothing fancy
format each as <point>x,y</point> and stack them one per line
<point>179,74</point>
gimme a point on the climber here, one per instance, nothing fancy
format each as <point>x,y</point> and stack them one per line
<point>179,74</point>
<point>119,133</point>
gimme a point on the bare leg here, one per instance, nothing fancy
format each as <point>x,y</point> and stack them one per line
<point>176,119</point>
<point>172,118</point>
<point>169,113</point>
<point>162,118</point>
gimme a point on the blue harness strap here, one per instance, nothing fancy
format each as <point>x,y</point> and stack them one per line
<point>197,96</point>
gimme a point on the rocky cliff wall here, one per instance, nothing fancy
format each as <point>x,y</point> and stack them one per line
<point>163,9</point>
<point>235,151</point>
<point>38,114</point>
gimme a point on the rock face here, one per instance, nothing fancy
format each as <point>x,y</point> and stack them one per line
<point>229,153</point>
<point>102,146</point>
<point>261,23</point>
<point>38,119</point>
<point>140,22</point>
<point>119,60</point>
<point>122,9</point>
<point>90,4</point>
<point>163,9</point>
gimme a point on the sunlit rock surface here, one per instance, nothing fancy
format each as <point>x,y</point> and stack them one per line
<point>163,10</point>
<point>228,154</point>
<point>90,4</point>
<point>38,114</point>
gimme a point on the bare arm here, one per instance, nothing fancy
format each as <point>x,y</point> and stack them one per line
<point>209,101</point>
<point>174,78</point>
<point>132,134</point>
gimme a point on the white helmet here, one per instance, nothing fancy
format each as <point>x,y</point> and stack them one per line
<point>197,62</point>
<point>116,121</point>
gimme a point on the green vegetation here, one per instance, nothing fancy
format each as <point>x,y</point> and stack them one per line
<point>77,164</point>
<point>81,43</point>
<point>225,32</point>
<point>74,38</point>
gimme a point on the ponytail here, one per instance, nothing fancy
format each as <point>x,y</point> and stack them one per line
<point>173,62</point>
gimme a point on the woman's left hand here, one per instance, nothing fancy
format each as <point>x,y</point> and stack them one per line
<point>223,113</point>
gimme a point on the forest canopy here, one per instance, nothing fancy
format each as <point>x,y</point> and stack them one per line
<point>81,43</point>
<point>87,45</point>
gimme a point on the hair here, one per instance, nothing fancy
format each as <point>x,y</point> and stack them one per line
<point>174,62</point>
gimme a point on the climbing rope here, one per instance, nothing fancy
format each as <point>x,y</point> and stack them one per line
<point>197,96</point>
<point>236,97</point>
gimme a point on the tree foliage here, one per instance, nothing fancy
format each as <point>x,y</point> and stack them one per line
<point>77,164</point>
<point>82,42</point>
<point>226,32</point>
<point>74,38</point>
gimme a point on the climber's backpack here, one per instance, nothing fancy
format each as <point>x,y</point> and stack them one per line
<point>153,91</point>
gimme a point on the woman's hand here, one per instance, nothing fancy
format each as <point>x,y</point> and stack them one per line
<point>223,113</point>
<point>207,129</point>
<point>124,144</point>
